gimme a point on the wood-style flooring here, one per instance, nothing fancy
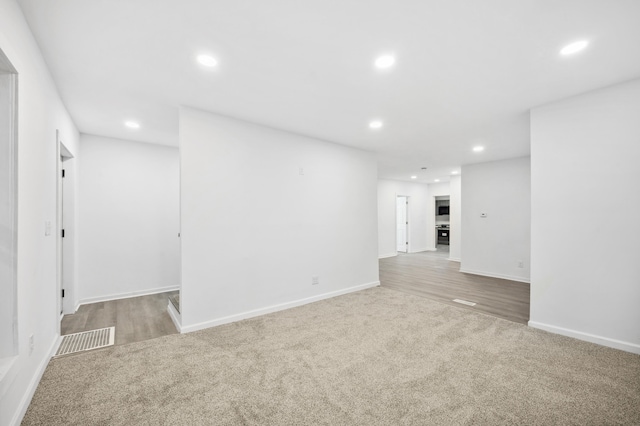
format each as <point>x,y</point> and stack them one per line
<point>135,319</point>
<point>426,274</point>
<point>432,275</point>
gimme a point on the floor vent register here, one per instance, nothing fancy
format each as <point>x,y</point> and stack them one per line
<point>86,341</point>
<point>465,302</point>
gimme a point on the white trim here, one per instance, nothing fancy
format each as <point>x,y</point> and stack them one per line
<point>419,250</point>
<point>8,373</point>
<point>493,275</point>
<point>175,316</point>
<point>592,338</point>
<point>431,249</point>
<point>454,259</point>
<point>384,256</point>
<point>127,295</point>
<point>275,308</point>
<point>33,384</point>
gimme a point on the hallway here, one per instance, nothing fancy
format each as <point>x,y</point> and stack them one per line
<point>432,275</point>
<point>135,319</point>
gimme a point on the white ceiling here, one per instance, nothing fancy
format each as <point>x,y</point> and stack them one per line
<point>466,72</point>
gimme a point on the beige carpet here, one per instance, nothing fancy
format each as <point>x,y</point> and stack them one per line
<point>377,357</point>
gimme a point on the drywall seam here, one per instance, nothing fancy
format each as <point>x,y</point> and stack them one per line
<point>592,338</point>
<point>275,308</point>
<point>127,295</point>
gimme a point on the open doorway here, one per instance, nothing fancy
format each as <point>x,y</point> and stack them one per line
<point>443,230</point>
<point>65,222</point>
<point>402,224</point>
<point>8,211</point>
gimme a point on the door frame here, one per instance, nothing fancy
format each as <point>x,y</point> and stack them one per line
<point>63,256</point>
<point>407,240</point>
<point>9,342</point>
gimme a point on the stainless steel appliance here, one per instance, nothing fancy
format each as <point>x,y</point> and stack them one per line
<point>443,234</point>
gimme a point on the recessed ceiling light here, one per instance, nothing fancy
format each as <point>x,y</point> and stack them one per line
<point>455,172</point>
<point>478,148</point>
<point>132,124</point>
<point>385,61</point>
<point>437,180</point>
<point>375,124</point>
<point>414,177</point>
<point>207,61</point>
<point>574,47</point>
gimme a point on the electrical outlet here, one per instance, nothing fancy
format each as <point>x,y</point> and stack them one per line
<point>315,280</point>
<point>31,344</point>
<point>520,264</point>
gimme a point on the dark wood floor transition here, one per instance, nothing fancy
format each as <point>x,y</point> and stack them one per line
<point>432,275</point>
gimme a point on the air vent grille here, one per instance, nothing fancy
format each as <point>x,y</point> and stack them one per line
<point>86,341</point>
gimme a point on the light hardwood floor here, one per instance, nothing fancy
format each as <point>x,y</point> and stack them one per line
<point>431,275</point>
<point>426,274</point>
<point>135,319</point>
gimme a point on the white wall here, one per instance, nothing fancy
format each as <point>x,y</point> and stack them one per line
<point>585,164</point>
<point>264,211</point>
<point>455,218</point>
<point>388,190</point>
<point>128,218</point>
<point>495,245</point>
<point>435,190</point>
<point>40,113</point>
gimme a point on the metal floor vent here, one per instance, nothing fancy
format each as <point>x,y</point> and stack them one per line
<point>87,340</point>
<point>464,302</point>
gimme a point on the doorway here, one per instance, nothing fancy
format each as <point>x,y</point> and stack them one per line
<point>65,219</point>
<point>443,230</point>
<point>8,211</point>
<point>402,224</point>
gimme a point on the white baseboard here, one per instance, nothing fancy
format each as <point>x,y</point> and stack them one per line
<point>454,259</point>
<point>592,338</point>
<point>127,295</point>
<point>493,275</point>
<point>33,384</point>
<point>384,256</point>
<point>275,308</point>
<point>418,250</point>
<point>175,316</point>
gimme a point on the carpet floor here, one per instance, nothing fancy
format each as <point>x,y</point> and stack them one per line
<point>375,357</point>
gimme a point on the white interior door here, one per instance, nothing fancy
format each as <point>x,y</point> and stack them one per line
<point>402,224</point>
